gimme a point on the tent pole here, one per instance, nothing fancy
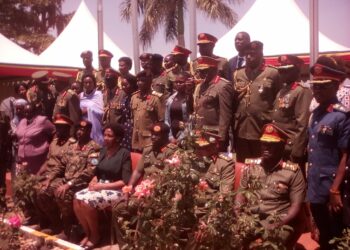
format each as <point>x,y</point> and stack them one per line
<point>314,46</point>
<point>193,28</point>
<point>100,24</point>
<point>135,35</point>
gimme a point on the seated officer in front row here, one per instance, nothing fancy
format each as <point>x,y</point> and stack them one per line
<point>282,189</point>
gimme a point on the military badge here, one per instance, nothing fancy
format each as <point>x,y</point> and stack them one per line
<point>326,130</point>
<point>94,161</point>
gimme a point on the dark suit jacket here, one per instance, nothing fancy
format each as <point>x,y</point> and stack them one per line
<point>232,67</point>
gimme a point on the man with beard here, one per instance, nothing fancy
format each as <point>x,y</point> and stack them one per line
<point>282,186</point>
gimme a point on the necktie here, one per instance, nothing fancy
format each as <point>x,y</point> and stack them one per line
<point>240,62</point>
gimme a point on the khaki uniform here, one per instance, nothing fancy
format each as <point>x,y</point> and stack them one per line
<point>68,103</point>
<point>146,110</point>
<point>100,79</point>
<point>280,187</point>
<point>83,72</point>
<point>77,168</point>
<point>108,95</point>
<point>114,108</point>
<point>150,163</point>
<point>291,114</point>
<point>43,99</point>
<point>213,106</point>
<point>223,66</point>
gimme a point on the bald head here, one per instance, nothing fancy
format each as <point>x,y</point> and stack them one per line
<point>242,40</point>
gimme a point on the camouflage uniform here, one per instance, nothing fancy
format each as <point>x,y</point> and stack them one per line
<point>146,110</point>
<point>76,170</point>
<point>68,103</point>
<point>280,187</point>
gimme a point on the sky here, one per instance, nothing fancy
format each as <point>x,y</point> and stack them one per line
<point>120,31</point>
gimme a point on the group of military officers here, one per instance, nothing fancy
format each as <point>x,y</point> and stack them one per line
<point>258,105</point>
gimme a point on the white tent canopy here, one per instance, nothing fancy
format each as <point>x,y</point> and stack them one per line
<point>79,35</point>
<point>281,26</point>
<point>12,53</point>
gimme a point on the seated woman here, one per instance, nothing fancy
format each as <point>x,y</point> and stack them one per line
<point>113,171</point>
<point>178,107</point>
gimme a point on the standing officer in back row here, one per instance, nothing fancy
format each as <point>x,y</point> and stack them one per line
<point>256,87</point>
<point>89,69</point>
<point>206,44</point>
<point>329,134</point>
<point>105,58</point>
<point>213,100</point>
<point>291,111</point>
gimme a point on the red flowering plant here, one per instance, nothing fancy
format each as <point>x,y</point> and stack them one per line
<point>177,209</point>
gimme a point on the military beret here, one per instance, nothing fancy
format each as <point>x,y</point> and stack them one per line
<point>326,70</point>
<point>41,76</point>
<point>255,46</point>
<point>61,77</point>
<point>289,61</point>
<point>86,54</point>
<point>105,53</point>
<point>61,119</point>
<point>160,128</point>
<point>85,124</point>
<point>272,133</point>
<point>205,62</point>
<point>145,56</point>
<point>179,50</point>
<point>204,38</point>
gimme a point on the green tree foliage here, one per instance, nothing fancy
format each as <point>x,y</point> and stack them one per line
<point>170,15</point>
<point>28,22</point>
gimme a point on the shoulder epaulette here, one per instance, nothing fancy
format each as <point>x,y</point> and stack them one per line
<point>340,107</point>
<point>136,92</point>
<point>172,146</point>
<point>72,140</point>
<point>93,155</point>
<point>290,166</point>
<point>70,91</point>
<point>225,156</point>
<point>224,80</point>
<point>157,94</point>
<point>252,161</point>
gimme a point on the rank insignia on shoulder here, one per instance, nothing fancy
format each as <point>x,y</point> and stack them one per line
<point>252,161</point>
<point>225,156</point>
<point>290,166</point>
<point>340,107</point>
<point>72,140</point>
<point>157,93</point>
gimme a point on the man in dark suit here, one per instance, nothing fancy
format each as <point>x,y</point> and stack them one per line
<point>242,40</point>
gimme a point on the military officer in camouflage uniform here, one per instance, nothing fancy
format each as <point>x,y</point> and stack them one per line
<point>206,44</point>
<point>213,100</point>
<point>146,109</point>
<point>290,111</point>
<point>67,101</point>
<point>151,163</point>
<point>53,167</point>
<point>256,87</point>
<point>282,186</point>
<point>41,94</point>
<point>77,169</point>
<point>89,69</point>
<point>105,58</point>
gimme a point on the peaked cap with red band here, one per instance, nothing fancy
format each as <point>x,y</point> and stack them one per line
<point>61,119</point>
<point>272,133</point>
<point>205,62</point>
<point>179,50</point>
<point>204,38</point>
<point>325,70</point>
<point>105,53</point>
